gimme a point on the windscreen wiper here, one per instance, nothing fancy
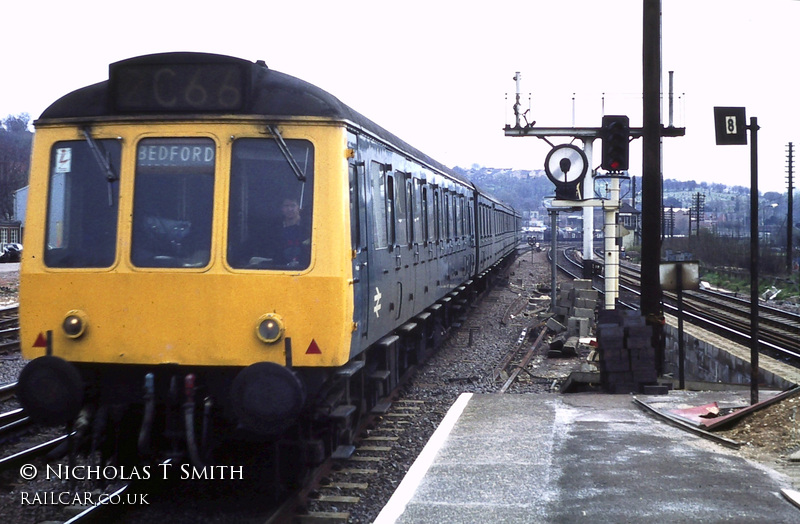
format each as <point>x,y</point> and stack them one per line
<point>103,161</point>
<point>273,129</point>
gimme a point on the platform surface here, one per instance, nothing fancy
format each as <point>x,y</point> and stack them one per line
<point>579,458</point>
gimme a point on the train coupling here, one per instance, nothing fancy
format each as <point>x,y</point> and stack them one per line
<point>180,423</point>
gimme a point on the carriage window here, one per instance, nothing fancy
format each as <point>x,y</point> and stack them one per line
<point>378,205</point>
<point>82,204</point>
<point>390,211</point>
<point>427,213</point>
<point>470,227</point>
<point>173,202</point>
<point>401,209</point>
<point>270,216</point>
<point>437,215</point>
<point>355,224</point>
<point>458,227</point>
<point>447,215</point>
<point>418,212</point>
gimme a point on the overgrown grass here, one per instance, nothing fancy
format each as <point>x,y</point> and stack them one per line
<point>725,263</point>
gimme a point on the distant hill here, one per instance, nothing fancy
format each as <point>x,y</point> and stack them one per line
<point>527,189</point>
<point>523,189</point>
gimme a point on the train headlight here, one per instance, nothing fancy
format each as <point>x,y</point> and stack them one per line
<point>74,324</point>
<point>270,328</point>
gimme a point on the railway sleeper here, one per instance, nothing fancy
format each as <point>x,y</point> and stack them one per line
<point>364,385</point>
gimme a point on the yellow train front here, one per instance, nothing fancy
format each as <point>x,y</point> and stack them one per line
<point>202,250</point>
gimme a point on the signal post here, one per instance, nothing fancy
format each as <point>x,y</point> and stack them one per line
<point>566,166</point>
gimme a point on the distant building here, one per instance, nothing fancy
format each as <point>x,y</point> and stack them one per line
<point>630,217</point>
<point>10,233</point>
<point>11,230</point>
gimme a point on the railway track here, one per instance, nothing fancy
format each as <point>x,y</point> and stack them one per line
<point>15,419</point>
<point>8,390</point>
<point>9,330</point>
<point>721,313</point>
<point>348,481</point>
<point>12,421</point>
<point>11,462</point>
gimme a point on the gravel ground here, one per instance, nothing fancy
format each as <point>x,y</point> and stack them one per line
<point>10,363</point>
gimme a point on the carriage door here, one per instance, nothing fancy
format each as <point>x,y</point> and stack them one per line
<point>358,238</point>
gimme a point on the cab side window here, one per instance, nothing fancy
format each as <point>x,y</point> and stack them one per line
<point>270,212</point>
<point>83,204</point>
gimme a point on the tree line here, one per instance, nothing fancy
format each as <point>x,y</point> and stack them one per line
<point>15,156</point>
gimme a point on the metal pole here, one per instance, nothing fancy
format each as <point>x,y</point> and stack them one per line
<point>611,249</point>
<point>517,107</point>
<point>681,347</point>
<point>753,260</point>
<point>573,114</point>
<point>554,251</point>
<point>790,215</point>
<point>588,211</point>
<point>671,74</point>
<point>651,162</point>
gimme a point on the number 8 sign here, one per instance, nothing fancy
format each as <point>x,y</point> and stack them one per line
<point>730,126</point>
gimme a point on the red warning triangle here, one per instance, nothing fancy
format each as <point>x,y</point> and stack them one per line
<point>313,348</point>
<point>41,341</point>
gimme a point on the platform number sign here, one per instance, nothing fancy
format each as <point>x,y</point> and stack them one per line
<point>730,126</point>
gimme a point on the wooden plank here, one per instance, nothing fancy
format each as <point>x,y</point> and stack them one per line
<point>347,485</point>
<point>345,499</point>
<point>356,471</point>
<point>324,517</point>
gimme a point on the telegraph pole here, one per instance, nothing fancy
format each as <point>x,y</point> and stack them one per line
<point>651,165</point>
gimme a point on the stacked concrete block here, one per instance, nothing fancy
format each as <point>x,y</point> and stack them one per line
<point>576,303</point>
<point>627,358</point>
<point>564,300</point>
<point>642,352</point>
<point>582,302</point>
<point>615,367</point>
<point>578,326</point>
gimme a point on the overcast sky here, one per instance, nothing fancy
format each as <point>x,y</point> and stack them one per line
<point>439,73</point>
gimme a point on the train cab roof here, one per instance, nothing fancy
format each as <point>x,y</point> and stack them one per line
<point>148,87</point>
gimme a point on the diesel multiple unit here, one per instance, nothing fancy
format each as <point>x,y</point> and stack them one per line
<point>219,247</point>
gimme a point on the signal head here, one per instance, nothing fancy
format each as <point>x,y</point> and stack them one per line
<point>615,133</point>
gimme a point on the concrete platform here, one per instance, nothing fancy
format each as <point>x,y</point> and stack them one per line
<point>580,458</point>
